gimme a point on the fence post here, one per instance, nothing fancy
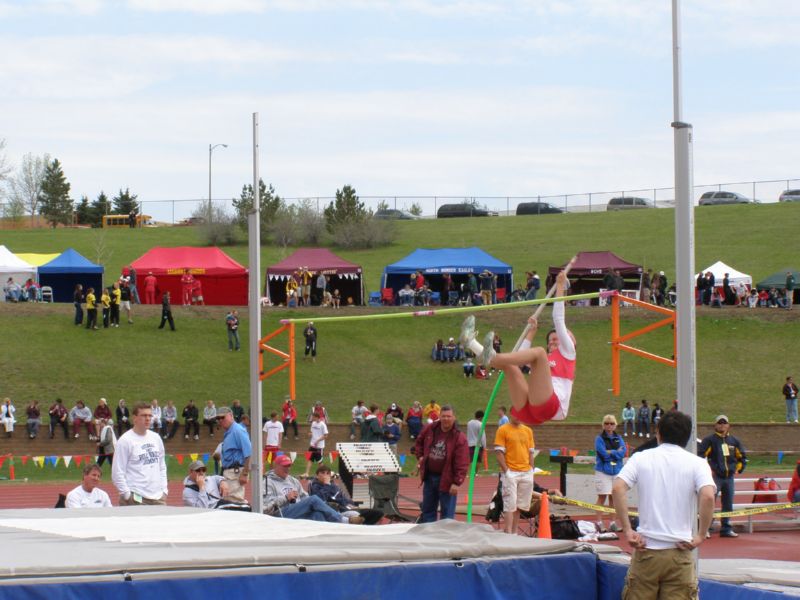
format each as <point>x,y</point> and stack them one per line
<point>590,201</point>
<point>754,191</point>
<point>508,209</point>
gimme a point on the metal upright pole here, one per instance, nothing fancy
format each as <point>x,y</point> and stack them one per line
<point>210,150</point>
<point>254,312</point>
<point>684,240</point>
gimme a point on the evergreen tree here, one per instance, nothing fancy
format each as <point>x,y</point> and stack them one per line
<point>83,212</point>
<point>345,209</point>
<point>54,201</point>
<point>269,204</point>
<point>125,202</point>
<point>100,207</point>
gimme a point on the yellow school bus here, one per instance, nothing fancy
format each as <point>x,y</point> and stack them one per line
<point>124,221</point>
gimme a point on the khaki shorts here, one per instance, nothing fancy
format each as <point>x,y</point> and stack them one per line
<point>235,489</point>
<point>661,574</point>
<point>144,501</point>
<point>603,483</point>
<point>517,490</point>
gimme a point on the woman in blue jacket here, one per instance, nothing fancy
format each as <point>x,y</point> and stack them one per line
<point>610,450</point>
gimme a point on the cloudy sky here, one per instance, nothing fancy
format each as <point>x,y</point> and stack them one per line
<point>404,97</point>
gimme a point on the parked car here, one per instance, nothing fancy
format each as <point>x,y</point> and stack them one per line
<point>628,202</point>
<point>710,198</point>
<point>537,208</point>
<point>461,210</point>
<point>790,196</point>
<point>391,213</point>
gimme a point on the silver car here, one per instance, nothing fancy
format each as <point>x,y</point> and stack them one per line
<point>710,198</point>
<point>790,196</point>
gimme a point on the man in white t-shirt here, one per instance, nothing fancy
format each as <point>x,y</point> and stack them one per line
<point>87,494</point>
<point>318,432</point>
<point>662,565</point>
<point>273,437</point>
<point>139,471</point>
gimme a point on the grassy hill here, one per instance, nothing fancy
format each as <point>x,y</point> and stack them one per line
<point>743,356</point>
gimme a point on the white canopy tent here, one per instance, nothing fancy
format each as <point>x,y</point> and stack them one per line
<point>719,269</point>
<point>13,266</point>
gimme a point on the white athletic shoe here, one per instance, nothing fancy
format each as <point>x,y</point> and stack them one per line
<point>488,354</point>
<point>468,332</point>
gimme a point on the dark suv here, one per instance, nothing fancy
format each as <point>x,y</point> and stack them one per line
<point>628,202</point>
<point>461,210</point>
<point>537,208</point>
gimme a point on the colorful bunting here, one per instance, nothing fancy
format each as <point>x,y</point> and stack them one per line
<point>78,461</point>
<point>205,457</point>
<point>293,456</point>
<point>67,460</point>
<point>24,460</point>
<point>402,459</point>
<point>179,458</point>
<point>39,460</point>
<point>2,461</point>
<point>194,456</point>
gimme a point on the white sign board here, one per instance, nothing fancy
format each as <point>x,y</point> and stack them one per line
<point>368,457</point>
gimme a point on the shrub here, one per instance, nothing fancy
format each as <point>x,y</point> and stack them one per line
<point>217,228</point>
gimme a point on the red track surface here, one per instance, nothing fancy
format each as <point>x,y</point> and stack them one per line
<point>770,545</point>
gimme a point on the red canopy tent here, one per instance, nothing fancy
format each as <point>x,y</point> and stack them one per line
<point>590,267</point>
<point>343,275</point>
<point>224,280</point>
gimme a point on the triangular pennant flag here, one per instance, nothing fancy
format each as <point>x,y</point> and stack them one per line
<point>96,457</point>
<point>193,456</point>
<point>78,460</point>
<point>39,460</point>
<point>402,459</point>
<point>205,457</point>
<point>293,456</point>
<point>179,457</point>
<point>54,460</point>
<point>24,460</point>
<point>334,455</point>
<point>67,460</point>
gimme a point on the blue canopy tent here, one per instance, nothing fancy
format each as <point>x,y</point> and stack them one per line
<point>458,262</point>
<point>67,270</point>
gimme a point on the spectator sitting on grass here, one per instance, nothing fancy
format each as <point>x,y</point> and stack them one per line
<point>438,352</point>
<point>469,367</point>
<point>452,350</point>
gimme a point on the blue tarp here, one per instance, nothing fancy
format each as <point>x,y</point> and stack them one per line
<point>458,262</point>
<point>67,270</point>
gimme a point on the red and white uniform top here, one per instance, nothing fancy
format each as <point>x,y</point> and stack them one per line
<point>562,363</point>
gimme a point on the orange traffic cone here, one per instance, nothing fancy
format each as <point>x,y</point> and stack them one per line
<point>544,519</point>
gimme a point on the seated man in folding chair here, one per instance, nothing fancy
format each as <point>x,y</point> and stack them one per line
<point>513,445</point>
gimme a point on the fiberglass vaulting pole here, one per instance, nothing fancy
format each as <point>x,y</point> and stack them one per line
<point>254,313</point>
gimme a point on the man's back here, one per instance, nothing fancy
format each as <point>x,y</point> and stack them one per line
<point>666,472</point>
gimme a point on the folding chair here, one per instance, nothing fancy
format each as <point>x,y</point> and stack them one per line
<point>436,298</point>
<point>374,298</point>
<point>452,298</point>
<point>46,293</point>
<point>500,294</point>
<point>387,296</point>
<point>383,493</point>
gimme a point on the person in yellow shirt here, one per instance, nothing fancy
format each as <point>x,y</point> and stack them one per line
<point>291,291</point>
<point>105,302</point>
<point>116,300</point>
<point>513,446</point>
<point>305,286</point>
<point>91,309</point>
<point>430,408</point>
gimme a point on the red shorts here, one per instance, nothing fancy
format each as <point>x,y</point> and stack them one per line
<point>271,450</point>
<point>536,415</point>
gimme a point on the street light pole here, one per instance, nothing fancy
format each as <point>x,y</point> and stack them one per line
<point>210,151</point>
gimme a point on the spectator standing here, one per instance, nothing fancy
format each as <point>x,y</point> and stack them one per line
<point>232,324</point>
<point>106,442</point>
<point>91,309</point>
<point>191,424</point>
<point>123,418</point>
<point>442,462</point>
<point>646,283</point>
<point>170,414</point>
<point>150,287</point>
<point>357,414</point>
<point>289,417</point>
<point>88,494</point>
<point>391,432</point>
<point>317,434</point>
<point>236,452</point>
<point>34,419</point>
<point>273,436</point>
<point>114,302</point>
<point>166,312</point>
<point>77,301</point>
<point>210,417</point>
<point>414,420</point>
<point>201,490</point>
<point>305,286</point>
<point>125,300</point>
<point>533,284</point>
<point>105,303</point>
<point>502,416</point>
<point>789,289</point>
<point>59,416</point>
<point>310,333</point>
<point>132,285</point>
<point>371,430</point>
<point>628,419</point>
<point>793,495</point>
<point>7,411</point>
<point>487,282</point>
<point>662,565</point>
<point>643,419</point>
<point>474,437</point>
<point>609,450</point>
<point>139,471</point>
<point>726,457</point>
<point>514,448</point>
<point>790,393</point>
<point>321,286</point>
<point>187,283</point>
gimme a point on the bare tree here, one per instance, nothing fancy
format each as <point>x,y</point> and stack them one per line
<point>26,185</point>
<point>5,166</point>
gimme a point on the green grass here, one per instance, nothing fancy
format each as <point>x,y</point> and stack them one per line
<point>743,356</point>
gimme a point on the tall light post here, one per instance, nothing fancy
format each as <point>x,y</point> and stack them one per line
<point>210,151</point>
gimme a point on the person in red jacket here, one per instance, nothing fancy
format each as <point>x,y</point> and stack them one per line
<point>794,486</point>
<point>187,283</point>
<point>442,463</point>
<point>289,417</point>
<point>150,286</point>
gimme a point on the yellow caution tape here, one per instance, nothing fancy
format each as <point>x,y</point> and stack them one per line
<point>732,513</point>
